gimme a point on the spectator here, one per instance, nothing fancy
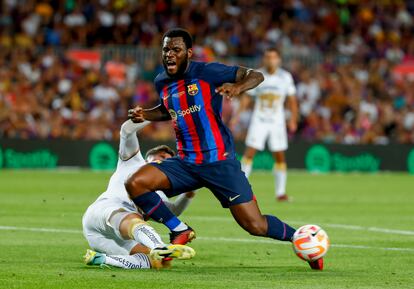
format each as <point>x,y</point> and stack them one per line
<point>343,66</point>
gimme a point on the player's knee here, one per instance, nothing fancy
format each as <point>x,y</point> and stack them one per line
<point>136,185</point>
<point>256,227</point>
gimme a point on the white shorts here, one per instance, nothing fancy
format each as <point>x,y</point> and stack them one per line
<point>262,131</point>
<point>99,232</point>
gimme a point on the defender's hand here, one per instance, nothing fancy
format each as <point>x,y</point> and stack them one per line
<point>136,114</point>
<point>229,90</point>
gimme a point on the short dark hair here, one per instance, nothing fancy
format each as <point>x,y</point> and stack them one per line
<point>180,32</point>
<point>160,149</point>
<point>272,49</point>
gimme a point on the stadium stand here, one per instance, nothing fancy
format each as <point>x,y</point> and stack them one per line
<point>71,69</point>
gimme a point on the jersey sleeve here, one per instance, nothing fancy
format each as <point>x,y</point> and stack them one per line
<point>218,73</point>
<point>158,85</point>
<point>291,89</point>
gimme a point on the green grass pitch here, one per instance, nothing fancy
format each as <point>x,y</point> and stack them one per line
<point>369,219</point>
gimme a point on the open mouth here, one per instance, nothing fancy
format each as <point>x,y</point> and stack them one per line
<point>171,64</point>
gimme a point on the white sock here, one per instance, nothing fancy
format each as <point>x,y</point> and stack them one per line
<point>246,166</point>
<point>181,227</point>
<point>280,179</point>
<point>136,261</point>
<point>147,236</point>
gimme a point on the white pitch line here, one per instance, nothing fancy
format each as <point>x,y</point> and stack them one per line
<point>336,226</point>
<point>46,230</point>
<point>214,239</point>
<point>267,241</point>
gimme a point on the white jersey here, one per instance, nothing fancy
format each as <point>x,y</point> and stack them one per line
<point>268,123</point>
<point>270,95</point>
<point>124,169</point>
<point>97,228</point>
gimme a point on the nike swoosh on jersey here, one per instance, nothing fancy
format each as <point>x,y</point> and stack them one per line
<point>231,199</point>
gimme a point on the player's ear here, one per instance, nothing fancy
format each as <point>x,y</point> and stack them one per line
<point>189,52</point>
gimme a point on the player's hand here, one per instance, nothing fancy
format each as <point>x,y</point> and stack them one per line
<point>229,90</point>
<point>136,114</point>
<point>292,126</point>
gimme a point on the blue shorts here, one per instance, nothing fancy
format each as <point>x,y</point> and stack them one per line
<point>224,179</point>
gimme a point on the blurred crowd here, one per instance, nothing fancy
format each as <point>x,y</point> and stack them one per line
<point>344,55</point>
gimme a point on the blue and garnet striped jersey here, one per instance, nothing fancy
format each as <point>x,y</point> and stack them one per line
<point>195,110</point>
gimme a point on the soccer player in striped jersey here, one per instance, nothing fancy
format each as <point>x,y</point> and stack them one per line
<point>191,95</point>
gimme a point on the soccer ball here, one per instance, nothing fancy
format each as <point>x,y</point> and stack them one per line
<point>310,242</point>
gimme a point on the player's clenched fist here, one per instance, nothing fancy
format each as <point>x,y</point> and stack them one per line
<point>136,114</point>
<point>229,90</point>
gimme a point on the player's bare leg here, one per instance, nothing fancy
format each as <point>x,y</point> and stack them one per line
<point>280,173</point>
<point>134,227</point>
<point>249,217</point>
<point>141,187</point>
<point>247,160</point>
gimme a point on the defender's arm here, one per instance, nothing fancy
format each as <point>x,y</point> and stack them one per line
<point>181,203</point>
<point>292,105</point>
<point>128,143</point>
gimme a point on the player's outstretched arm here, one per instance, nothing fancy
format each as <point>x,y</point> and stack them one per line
<point>129,144</point>
<point>245,79</point>
<point>157,113</point>
<point>180,204</point>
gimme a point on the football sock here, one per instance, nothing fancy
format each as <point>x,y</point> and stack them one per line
<point>136,261</point>
<point>280,179</point>
<point>276,229</point>
<point>180,227</point>
<point>154,207</point>
<point>246,166</point>
<point>146,235</point>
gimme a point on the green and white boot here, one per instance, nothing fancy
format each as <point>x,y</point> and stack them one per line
<point>94,258</point>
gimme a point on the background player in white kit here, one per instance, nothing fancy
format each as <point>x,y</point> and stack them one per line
<point>268,122</point>
<point>112,225</point>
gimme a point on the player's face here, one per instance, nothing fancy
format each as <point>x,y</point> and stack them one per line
<point>271,60</point>
<point>175,55</point>
<point>158,157</point>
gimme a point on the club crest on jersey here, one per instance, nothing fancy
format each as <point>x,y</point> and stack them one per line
<point>192,89</point>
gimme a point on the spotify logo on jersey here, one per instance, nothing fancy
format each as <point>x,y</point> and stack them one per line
<point>182,113</point>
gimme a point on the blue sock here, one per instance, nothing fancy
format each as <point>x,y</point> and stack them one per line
<point>154,207</point>
<point>276,229</point>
